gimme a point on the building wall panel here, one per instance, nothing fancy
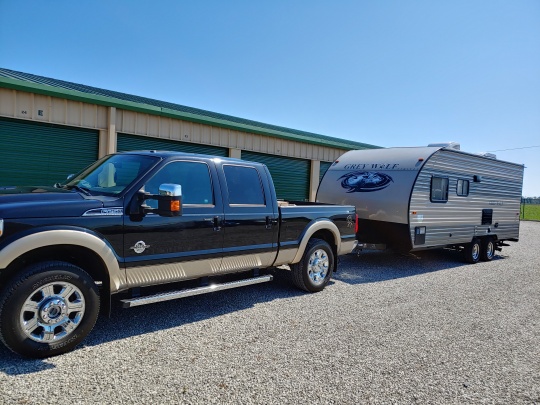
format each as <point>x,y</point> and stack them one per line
<point>41,108</point>
<point>7,102</point>
<point>23,105</point>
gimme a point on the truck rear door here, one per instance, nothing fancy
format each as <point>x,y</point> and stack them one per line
<point>251,218</point>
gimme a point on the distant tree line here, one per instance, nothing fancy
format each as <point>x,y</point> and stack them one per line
<point>530,200</point>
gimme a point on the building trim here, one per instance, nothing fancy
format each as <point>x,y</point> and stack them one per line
<point>73,95</point>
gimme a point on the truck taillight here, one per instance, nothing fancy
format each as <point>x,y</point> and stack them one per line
<point>356,224</point>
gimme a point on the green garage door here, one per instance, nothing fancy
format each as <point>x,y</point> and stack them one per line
<point>133,142</point>
<point>324,167</point>
<point>290,175</point>
<point>35,154</point>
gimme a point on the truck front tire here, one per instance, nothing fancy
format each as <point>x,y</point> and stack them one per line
<point>48,309</point>
<point>313,272</point>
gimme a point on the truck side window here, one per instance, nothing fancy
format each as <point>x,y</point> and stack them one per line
<point>439,189</point>
<point>194,177</point>
<point>244,185</point>
<point>462,188</point>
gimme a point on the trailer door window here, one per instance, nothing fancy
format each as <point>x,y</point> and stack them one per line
<point>462,188</point>
<point>439,189</point>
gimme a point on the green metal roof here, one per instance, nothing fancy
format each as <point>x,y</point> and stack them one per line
<point>59,88</point>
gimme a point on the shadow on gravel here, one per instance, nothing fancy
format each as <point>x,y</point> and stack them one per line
<point>377,266</point>
<point>368,267</point>
<point>125,323</point>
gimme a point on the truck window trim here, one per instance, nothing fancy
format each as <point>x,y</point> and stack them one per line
<point>210,177</point>
<point>261,185</point>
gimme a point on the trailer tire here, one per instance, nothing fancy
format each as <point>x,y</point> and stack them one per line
<point>48,309</point>
<point>487,250</point>
<point>313,272</point>
<point>472,251</point>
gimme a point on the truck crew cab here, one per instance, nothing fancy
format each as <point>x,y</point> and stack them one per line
<point>142,219</point>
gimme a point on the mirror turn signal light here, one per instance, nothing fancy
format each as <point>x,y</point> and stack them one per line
<point>175,205</point>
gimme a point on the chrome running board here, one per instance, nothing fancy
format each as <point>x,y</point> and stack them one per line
<point>172,295</point>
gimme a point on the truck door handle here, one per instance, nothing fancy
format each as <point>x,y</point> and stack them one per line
<point>270,221</point>
<point>217,226</point>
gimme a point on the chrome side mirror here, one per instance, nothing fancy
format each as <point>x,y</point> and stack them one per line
<point>169,200</point>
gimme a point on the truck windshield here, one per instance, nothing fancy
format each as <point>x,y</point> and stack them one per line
<point>111,175</point>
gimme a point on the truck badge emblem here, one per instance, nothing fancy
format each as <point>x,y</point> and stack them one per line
<point>361,182</point>
<point>350,222</point>
<point>140,247</point>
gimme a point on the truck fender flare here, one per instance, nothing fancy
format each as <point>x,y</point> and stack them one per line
<point>66,237</point>
<point>311,229</point>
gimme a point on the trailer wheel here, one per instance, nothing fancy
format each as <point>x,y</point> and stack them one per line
<point>488,250</point>
<point>48,309</point>
<point>314,271</point>
<point>472,251</point>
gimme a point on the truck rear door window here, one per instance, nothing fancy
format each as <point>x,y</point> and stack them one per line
<point>244,185</point>
<point>439,189</point>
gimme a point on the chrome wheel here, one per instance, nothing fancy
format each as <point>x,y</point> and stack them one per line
<point>475,252</point>
<point>318,266</point>
<point>490,250</point>
<point>472,251</point>
<point>52,312</point>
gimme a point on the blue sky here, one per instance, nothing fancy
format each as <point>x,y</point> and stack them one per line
<point>389,73</point>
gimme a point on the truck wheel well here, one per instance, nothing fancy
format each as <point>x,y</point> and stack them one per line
<point>79,256</point>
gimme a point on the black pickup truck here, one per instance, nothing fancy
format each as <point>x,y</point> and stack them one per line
<point>134,221</point>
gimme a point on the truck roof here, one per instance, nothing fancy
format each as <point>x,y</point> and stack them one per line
<point>165,154</point>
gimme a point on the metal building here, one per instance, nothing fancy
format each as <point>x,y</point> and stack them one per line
<point>51,128</point>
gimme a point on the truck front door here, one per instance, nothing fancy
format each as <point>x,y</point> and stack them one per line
<point>166,249</point>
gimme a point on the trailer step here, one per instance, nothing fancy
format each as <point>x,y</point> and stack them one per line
<point>172,295</point>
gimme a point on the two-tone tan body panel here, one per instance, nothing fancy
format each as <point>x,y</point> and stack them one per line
<point>26,244</point>
<point>189,270</point>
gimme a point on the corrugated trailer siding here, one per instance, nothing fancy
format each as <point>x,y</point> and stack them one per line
<point>37,154</point>
<point>460,217</point>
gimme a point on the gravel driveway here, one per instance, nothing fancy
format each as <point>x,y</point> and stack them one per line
<point>388,329</point>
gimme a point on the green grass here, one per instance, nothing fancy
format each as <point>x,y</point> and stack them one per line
<point>530,212</point>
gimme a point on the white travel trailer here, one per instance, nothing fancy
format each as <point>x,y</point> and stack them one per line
<point>420,198</point>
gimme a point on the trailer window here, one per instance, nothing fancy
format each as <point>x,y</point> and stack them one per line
<point>439,189</point>
<point>462,188</point>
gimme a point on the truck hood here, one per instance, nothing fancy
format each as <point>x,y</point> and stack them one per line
<point>48,202</point>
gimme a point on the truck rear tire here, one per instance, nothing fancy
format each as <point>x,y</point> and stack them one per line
<point>487,251</point>
<point>313,272</point>
<point>472,251</point>
<point>48,309</point>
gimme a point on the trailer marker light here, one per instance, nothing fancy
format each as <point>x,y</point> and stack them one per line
<point>414,212</point>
